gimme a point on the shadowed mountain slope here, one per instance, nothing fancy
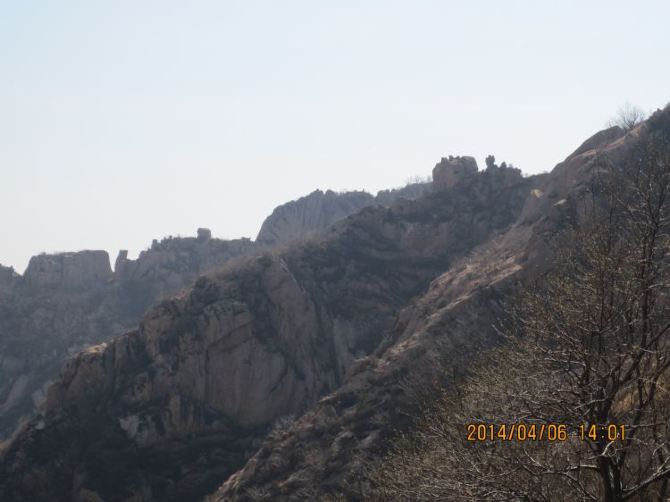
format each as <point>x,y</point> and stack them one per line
<point>207,373</point>
<point>69,301</point>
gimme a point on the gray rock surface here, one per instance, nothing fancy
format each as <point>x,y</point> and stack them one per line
<point>449,171</point>
<point>319,210</point>
<point>67,302</point>
<point>71,270</point>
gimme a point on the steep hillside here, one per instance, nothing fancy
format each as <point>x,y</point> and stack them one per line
<point>325,452</point>
<point>166,412</point>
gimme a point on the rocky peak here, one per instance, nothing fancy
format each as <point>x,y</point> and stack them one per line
<point>313,212</point>
<point>121,260</point>
<point>319,210</point>
<point>68,269</point>
<point>7,276</point>
<point>70,301</point>
<point>204,234</point>
<point>449,171</point>
<point>174,261</point>
<point>503,174</point>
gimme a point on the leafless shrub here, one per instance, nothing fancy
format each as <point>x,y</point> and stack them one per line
<point>258,495</point>
<point>628,116</point>
<point>281,427</point>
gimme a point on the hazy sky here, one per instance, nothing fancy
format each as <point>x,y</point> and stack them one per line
<point>123,121</point>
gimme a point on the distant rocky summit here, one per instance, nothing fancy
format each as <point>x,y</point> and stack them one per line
<point>67,302</point>
<point>319,210</point>
<point>80,269</point>
<point>449,171</point>
<point>7,277</point>
<point>312,212</point>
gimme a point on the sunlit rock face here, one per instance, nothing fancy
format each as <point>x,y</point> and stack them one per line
<point>8,277</point>
<point>310,213</point>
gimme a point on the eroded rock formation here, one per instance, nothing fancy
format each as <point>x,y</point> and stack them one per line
<point>319,210</point>
<point>67,302</point>
<point>449,171</point>
<point>68,270</point>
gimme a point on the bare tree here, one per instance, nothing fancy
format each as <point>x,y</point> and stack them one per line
<point>628,117</point>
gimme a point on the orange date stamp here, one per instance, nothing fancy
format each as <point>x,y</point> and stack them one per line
<point>480,432</point>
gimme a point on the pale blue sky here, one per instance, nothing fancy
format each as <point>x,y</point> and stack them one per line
<point>123,121</point>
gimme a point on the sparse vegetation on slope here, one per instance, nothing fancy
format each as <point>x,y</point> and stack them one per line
<point>589,346</point>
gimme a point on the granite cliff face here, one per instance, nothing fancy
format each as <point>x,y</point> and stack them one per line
<point>69,301</point>
<point>319,210</point>
<point>449,171</point>
<point>337,331</point>
<point>68,270</point>
<point>8,278</point>
<point>312,212</point>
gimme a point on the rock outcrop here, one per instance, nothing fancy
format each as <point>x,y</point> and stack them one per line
<point>69,270</point>
<point>410,191</point>
<point>313,212</point>
<point>8,277</point>
<point>450,171</point>
<point>318,210</point>
<point>67,302</point>
<point>174,263</point>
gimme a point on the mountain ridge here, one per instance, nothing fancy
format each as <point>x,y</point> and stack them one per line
<point>353,279</point>
<point>337,329</point>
